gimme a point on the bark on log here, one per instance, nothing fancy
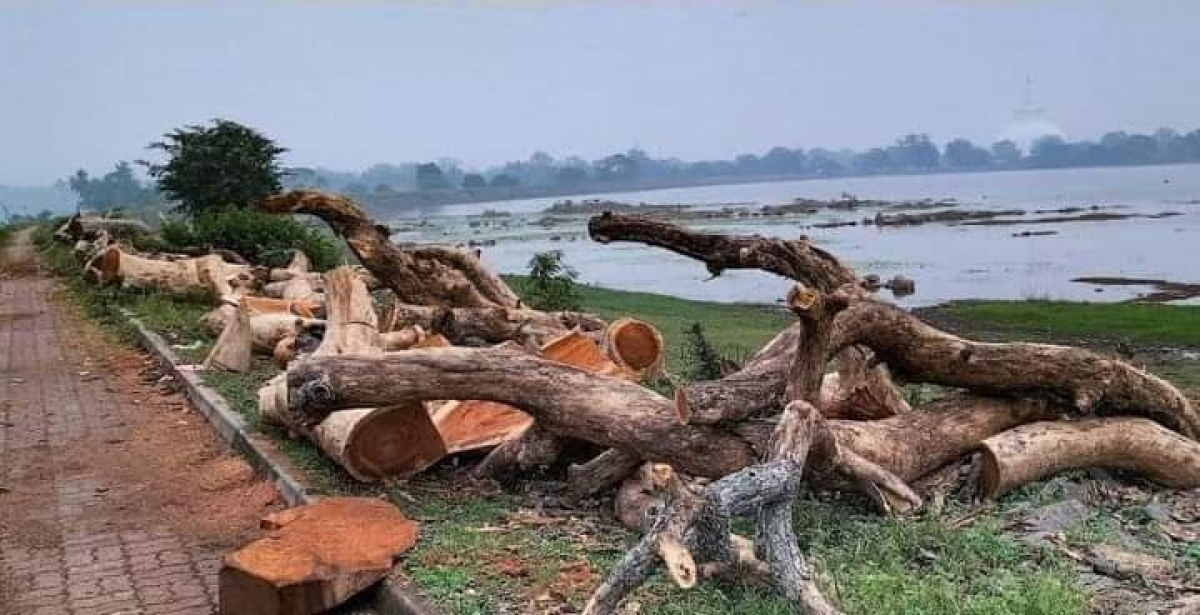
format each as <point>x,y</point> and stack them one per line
<point>204,274</point>
<point>423,276</point>
<point>755,390</point>
<point>489,325</point>
<point>375,441</point>
<point>797,259</point>
<point>1038,450</point>
<point>600,473</point>
<point>1088,381</point>
<point>572,403</point>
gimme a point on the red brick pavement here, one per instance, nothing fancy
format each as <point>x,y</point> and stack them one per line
<point>72,540</point>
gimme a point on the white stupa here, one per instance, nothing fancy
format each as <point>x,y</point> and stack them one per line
<point>1030,122</point>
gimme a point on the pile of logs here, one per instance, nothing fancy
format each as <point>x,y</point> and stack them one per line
<point>743,445</point>
<point>293,313</point>
<point>820,404</point>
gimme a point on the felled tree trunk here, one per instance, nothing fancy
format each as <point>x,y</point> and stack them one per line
<point>1086,380</point>
<point>203,274</point>
<point>1038,450</point>
<point>572,403</point>
<point>421,276</point>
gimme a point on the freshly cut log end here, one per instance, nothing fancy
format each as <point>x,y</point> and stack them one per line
<point>317,557</point>
<point>1037,450</point>
<point>375,443</point>
<point>578,349</point>
<point>636,347</point>
<point>473,425</point>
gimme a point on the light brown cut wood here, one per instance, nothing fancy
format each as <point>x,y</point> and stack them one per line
<point>232,352</point>
<point>315,558</point>
<point>636,347</point>
<point>1038,450</point>
<point>376,443</point>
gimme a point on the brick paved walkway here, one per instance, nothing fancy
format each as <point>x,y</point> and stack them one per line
<point>73,541</point>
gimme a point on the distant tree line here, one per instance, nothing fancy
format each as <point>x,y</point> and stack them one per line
<point>914,153</point>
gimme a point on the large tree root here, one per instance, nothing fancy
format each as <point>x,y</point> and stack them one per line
<point>1037,450</point>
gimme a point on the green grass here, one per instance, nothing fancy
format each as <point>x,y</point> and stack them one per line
<point>871,564</point>
<point>1138,323</point>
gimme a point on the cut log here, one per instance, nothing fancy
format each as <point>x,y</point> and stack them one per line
<point>1038,450</point>
<point>860,390</point>
<point>179,277</point>
<point>423,276</point>
<point>573,403</point>
<point>317,557</point>
<point>755,390</point>
<point>216,319</point>
<point>636,347</point>
<point>394,442</point>
<point>601,473</point>
<point>233,349</point>
<point>1090,382</point>
<point>490,325</point>
<point>374,441</point>
<point>352,326</point>
<point>473,425</point>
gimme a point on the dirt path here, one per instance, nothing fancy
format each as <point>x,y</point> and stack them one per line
<point>115,497</point>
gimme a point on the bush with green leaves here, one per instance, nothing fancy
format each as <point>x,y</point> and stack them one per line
<point>551,283</point>
<point>262,238</point>
<point>216,166</point>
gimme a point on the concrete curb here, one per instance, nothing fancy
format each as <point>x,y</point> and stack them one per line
<point>394,596</point>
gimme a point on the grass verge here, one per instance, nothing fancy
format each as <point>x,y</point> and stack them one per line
<point>1135,323</point>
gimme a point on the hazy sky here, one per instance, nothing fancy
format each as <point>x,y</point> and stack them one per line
<point>344,85</point>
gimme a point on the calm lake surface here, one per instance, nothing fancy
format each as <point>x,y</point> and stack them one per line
<point>947,261</point>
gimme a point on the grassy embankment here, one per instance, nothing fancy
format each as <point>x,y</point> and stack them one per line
<point>478,554</point>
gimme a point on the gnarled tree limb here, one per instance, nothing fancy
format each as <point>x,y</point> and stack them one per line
<point>424,276</point>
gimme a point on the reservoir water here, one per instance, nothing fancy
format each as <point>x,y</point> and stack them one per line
<point>947,261</point>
